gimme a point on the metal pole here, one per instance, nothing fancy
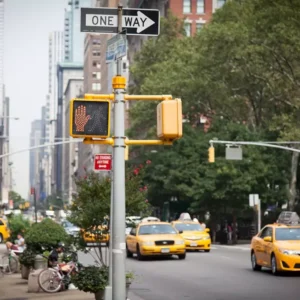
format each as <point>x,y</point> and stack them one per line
<point>35,208</point>
<point>118,240</point>
<point>258,216</point>
<point>108,289</point>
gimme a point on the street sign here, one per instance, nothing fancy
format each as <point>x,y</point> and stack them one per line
<point>253,200</point>
<point>102,162</point>
<point>116,48</point>
<point>135,21</point>
<point>234,153</point>
<point>89,118</point>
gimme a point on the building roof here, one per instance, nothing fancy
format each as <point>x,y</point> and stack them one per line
<point>69,65</point>
<point>69,82</point>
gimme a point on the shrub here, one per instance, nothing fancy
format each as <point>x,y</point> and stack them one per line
<point>91,279</point>
<point>27,258</point>
<point>45,236</point>
<point>18,224</point>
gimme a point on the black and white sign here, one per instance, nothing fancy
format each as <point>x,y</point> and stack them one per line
<point>134,21</point>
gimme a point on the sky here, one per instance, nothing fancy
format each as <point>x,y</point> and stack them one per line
<point>27,26</point>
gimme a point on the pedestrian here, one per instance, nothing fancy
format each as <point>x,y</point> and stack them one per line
<point>202,224</point>
<point>19,244</point>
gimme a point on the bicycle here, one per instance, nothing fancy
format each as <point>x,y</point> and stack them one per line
<point>9,262</point>
<point>56,279</point>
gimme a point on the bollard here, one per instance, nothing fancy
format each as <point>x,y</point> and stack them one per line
<point>40,262</point>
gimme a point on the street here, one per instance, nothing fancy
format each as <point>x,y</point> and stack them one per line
<point>223,274</point>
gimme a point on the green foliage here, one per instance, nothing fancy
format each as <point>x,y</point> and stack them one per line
<point>27,258</point>
<point>91,279</point>
<point>18,224</point>
<point>45,235</point>
<point>17,199</point>
<point>91,204</point>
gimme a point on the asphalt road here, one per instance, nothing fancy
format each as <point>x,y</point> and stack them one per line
<point>223,274</point>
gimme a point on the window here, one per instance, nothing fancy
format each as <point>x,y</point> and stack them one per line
<point>287,234</point>
<point>96,75</point>
<point>188,227</point>
<point>267,231</point>
<point>133,231</point>
<point>221,3</point>
<point>96,53</point>
<point>156,229</point>
<point>96,64</point>
<point>186,6</point>
<point>96,86</point>
<point>200,7</point>
<point>96,42</point>
<point>199,26</point>
<point>187,27</point>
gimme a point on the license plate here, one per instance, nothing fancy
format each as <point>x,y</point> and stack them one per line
<point>194,244</point>
<point>165,250</point>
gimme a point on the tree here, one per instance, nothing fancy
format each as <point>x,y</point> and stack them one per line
<point>91,203</point>
<point>17,199</point>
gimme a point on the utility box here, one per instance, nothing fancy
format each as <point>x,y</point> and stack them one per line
<point>169,119</point>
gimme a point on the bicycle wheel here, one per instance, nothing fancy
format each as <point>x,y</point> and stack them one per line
<point>9,264</point>
<point>50,281</point>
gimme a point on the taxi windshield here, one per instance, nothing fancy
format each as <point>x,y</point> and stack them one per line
<point>188,227</point>
<point>156,229</point>
<point>287,234</point>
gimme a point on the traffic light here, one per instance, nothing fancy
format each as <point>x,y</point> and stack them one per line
<point>169,119</point>
<point>89,118</point>
<point>211,154</point>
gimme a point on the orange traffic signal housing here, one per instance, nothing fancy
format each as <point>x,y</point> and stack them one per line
<point>169,119</point>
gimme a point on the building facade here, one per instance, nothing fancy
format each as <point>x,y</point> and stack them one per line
<point>65,72</point>
<point>34,156</point>
<point>74,39</point>
<point>73,89</point>
<point>56,54</point>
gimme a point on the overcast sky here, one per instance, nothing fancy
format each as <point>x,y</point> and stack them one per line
<point>27,25</point>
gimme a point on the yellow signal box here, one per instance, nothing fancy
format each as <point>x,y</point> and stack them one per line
<point>90,118</point>
<point>126,152</point>
<point>211,154</point>
<point>169,119</point>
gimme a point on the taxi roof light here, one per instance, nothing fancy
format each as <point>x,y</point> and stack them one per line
<point>288,218</point>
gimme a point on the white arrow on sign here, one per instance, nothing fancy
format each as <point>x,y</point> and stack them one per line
<point>140,22</point>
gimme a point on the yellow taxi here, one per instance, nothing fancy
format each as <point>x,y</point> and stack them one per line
<point>99,236</point>
<point>195,236</point>
<point>277,246</point>
<point>154,238</point>
<point>4,230</point>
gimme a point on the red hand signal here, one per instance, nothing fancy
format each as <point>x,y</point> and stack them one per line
<point>81,118</point>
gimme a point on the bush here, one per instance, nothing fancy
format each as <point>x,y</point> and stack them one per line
<point>18,224</point>
<point>91,279</point>
<point>45,236</point>
<point>27,258</point>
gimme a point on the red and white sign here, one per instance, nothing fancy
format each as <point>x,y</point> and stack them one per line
<point>102,162</point>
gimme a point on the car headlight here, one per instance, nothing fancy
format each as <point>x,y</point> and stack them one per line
<point>289,252</point>
<point>206,238</point>
<point>148,243</point>
<point>179,242</point>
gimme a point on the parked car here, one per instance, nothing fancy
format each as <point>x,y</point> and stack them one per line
<point>70,228</point>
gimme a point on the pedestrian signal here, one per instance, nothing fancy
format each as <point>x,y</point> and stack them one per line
<point>89,118</point>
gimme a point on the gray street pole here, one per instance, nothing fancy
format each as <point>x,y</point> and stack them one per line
<point>118,237</point>
<point>108,289</point>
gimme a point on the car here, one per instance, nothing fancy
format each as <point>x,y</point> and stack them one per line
<point>70,228</point>
<point>195,236</point>
<point>4,230</point>
<point>153,239</point>
<point>101,235</point>
<point>277,246</point>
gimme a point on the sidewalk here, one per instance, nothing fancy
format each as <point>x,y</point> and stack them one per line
<point>13,287</point>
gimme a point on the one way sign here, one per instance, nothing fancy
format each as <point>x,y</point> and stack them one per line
<point>134,21</point>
